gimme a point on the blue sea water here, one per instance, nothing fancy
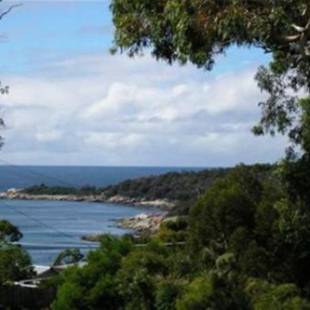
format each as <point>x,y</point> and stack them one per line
<point>51,226</point>
<point>23,176</point>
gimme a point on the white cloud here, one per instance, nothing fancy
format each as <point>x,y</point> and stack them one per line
<point>102,109</point>
<point>47,136</point>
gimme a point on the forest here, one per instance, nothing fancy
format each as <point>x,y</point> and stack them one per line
<point>173,186</point>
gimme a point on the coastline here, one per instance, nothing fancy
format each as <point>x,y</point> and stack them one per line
<point>161,204</point>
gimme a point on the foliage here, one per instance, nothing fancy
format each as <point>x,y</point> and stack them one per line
<point>15,263</point>
<point>173,230</point>
<point>68,256</point>
<point>198,31</point>
<point>118,275</point>
<point>227,209</point>
<point>43,189</point>
<point>95,284</point>
<point>268,235</point>
<point>213,292</point>
<point>9,232</point>
<point>246,249</point>
<point>167,293</point>
<point>266,296</point>
<point>174,186</point>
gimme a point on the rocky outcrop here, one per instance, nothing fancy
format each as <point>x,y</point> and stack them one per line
<point>25,196</point>
<point>92,237</point>
<point>140,224</point>
<point>160,203</point>
<point>143,223</point>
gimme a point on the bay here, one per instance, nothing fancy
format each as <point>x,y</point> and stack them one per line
<point>52,226</point>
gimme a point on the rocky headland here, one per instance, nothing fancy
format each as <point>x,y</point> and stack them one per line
<point>139,224</point>
<point>18,194</point>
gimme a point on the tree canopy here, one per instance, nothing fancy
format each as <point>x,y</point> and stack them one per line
<point>68,256</point>
<point>9,232</point>
<point>245,248</point>
<point>15,263</point>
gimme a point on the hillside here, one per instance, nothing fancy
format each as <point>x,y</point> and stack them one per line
<point>172,186</point>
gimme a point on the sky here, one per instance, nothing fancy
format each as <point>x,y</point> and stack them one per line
<point>72,103</point>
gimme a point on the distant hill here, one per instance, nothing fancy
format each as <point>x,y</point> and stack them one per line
<point>173,186</point>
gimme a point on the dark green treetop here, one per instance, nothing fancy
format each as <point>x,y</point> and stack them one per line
<point>9,232</point>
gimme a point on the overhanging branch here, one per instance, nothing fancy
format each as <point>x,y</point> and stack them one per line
<point>7,11</point>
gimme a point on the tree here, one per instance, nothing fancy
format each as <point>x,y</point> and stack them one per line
<point>9,232</point>
<point>68,256</point>
<point>15,263</point>
<point>95,285</point>
<point>197,31</point>
<point>266,296</point>
<point>228,206</point>
<point>213,292</point>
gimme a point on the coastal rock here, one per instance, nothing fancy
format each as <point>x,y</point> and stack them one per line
<point>121,199</point>
<point>91,237</point>
<point>160,203</point>
<point>143,223</point>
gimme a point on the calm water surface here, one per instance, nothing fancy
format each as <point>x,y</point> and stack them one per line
<point>51,226</point>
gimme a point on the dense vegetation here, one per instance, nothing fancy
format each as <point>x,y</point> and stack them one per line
<point>245,248</point>
<point>174,186</point>
<point>43,189</point>
<point>15,263</point>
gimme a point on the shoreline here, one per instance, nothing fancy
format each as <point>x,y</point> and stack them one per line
<point>161,204</point>
<point>139,224</point>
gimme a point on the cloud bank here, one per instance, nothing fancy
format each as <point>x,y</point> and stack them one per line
<point>112,110</point>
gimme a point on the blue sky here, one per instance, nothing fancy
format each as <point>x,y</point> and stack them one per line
<point>40,30</point>
<point>72,103</point>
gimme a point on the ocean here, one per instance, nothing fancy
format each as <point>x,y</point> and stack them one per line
<point>23,176</point>
<point>51,226</point>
